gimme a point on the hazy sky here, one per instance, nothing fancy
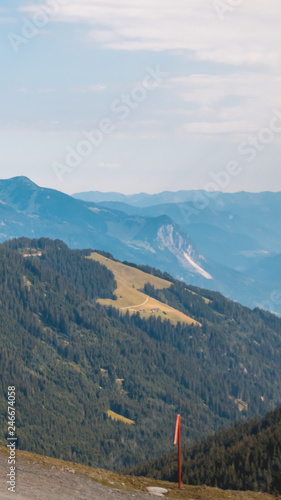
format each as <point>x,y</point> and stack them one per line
<point>143,95</point>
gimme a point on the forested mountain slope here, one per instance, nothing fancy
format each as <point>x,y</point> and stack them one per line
<point>246,457</point>
<point>103,386</point>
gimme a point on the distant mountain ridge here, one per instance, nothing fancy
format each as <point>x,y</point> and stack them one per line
<point>142,200</point>
<point>214,249</point>
<point>240,231</point>
<point>269,268</point>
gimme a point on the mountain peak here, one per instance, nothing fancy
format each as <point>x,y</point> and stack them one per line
<point>20,179</point>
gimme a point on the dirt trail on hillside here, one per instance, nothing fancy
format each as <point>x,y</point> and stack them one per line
<point>35,482</point>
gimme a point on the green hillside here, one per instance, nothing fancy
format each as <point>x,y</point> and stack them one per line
<point>246,457</point>
<point>129,294</point>
<point>75,363</point>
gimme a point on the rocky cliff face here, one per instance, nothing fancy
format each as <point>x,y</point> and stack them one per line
<point>170,238</point>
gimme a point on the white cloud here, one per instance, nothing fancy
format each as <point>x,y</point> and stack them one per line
<point>7,20</point>
<point>108,165</point>
<point>217,127</point>
<point>210,89</point>
<point>250,34</point>
<point>46,90</point>
<point>249,37</point>
<point>237,103</point>
<point>100,87</point>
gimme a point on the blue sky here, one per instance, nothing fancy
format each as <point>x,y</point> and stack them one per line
<point>174,93</point>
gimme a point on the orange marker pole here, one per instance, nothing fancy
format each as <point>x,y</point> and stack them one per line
<point>179,451</point>
<point>178,440</point>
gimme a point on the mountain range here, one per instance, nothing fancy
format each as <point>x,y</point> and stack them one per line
<point>225,242</point>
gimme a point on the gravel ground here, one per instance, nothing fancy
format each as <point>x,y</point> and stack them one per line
<point>34,482</point>
<point>44,478</point>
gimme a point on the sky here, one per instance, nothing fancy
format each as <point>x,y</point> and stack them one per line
<point>149,95</point>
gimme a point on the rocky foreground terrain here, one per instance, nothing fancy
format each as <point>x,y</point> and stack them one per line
<point>42,478</point>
